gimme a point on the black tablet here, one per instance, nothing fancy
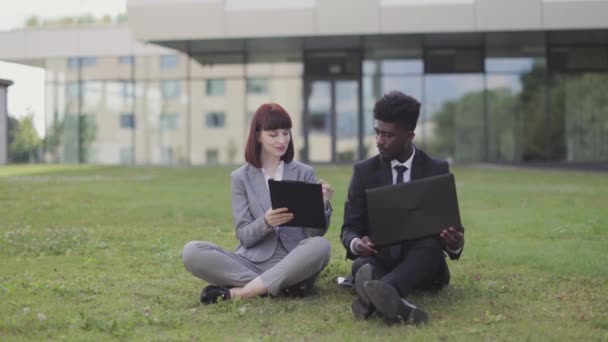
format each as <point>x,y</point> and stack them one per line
<point>304,201</point>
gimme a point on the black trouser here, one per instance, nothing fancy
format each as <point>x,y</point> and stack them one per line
<point>412,265</point>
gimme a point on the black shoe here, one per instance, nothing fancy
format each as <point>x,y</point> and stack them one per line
<point>362,307</point>
<point>389,303</point>
<point>212,293</point>
<point>299,290</point>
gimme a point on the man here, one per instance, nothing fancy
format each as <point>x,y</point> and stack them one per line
<point>385,276</point>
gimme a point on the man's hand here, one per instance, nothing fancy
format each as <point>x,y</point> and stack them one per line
<point>364,247</point>
<point>453,238</point>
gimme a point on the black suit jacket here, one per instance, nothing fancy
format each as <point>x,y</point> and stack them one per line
<point>372,173</point>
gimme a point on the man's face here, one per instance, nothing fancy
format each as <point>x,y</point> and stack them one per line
<point>391,139</point>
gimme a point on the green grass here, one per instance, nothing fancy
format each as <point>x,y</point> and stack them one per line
<point>92,253</point>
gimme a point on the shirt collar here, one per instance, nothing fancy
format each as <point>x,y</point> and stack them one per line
<point>278,175</point>
<point>407,163</point>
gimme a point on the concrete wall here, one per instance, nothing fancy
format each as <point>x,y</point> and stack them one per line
<point>158,20</point>
<point>35,45</point>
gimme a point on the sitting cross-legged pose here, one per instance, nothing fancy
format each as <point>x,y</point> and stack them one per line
<point>270,258</point>
<point>386,275</point>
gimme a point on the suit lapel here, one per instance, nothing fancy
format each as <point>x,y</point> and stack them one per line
<point>384,174</point>
<point>417,167</point>
<point>259,187</point>
<point>289,171</point>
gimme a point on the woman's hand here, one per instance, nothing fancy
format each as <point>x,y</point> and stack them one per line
<point>328,191</point>
<point>277,217</point>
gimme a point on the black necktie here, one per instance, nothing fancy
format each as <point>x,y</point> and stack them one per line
<point>400,171</point>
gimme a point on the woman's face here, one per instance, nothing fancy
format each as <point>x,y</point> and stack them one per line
<point>274,142</point>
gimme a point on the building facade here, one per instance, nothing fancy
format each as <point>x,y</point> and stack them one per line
<point>499,81</point>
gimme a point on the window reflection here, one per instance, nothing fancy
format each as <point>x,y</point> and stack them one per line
<point>215,87</point>
<point>454,127</point>
<point>518,64</point>
<point>386,70</point>
<point>580,117</point>
<point>168,61</point>
<point>347,123</point>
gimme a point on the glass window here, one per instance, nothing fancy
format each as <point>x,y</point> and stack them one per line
<point>126,155</point>
<point>87,132</point>
<point>169,121</point>
<point>212,156</point>
<point>402,66</point>
<point>513,59</point>
<point>166,155</point>
<point>170,88</point>
<point>168,61</point>
<point>257,86</point>
<point>454,124</point>
<point>319,107</point>
<point>215,87</point>
<point>579,58</point>
<point>73,91</point>
<point>73,63</point>
<point>127,120</point>
<point>579,117</point>
<point>88,61</point>
<point>127,60</point>
<point>333,63</point>
<point>92,94</point>
<point>215,119</point>
<point>510,64</point>
<point>127,91</point>
<point>453,60</point>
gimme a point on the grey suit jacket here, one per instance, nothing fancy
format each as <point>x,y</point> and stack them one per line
<point>251,200</point>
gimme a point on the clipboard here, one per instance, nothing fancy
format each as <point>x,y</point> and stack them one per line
<point>304,201</point>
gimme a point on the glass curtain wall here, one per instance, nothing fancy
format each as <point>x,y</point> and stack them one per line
<point>516,96</point>
<point>504,97</point>
<point>578,106</point>
<point>454,104</point>
<point>386,70</point>
<point>218,109</point>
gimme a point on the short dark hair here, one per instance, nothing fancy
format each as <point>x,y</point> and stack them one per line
<point>396,107</point>
<point>267,117</point>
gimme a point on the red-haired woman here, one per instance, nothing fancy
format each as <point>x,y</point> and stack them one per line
<point>270,258</point>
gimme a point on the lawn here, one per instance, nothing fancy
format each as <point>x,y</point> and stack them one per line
<point>93,253</point>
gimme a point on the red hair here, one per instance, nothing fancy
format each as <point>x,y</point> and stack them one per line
<point>267,117</point>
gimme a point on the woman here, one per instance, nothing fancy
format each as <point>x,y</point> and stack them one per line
<point>270,258</point>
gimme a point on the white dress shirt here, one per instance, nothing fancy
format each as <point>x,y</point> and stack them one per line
<point>278,174</point>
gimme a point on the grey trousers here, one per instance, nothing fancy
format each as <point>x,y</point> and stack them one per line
<point>211,263</point>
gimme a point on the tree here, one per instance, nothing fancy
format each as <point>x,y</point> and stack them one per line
<point>69,139</point>
<point>32,21</point>
<point>82,19</point>
<point>24,141</point>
